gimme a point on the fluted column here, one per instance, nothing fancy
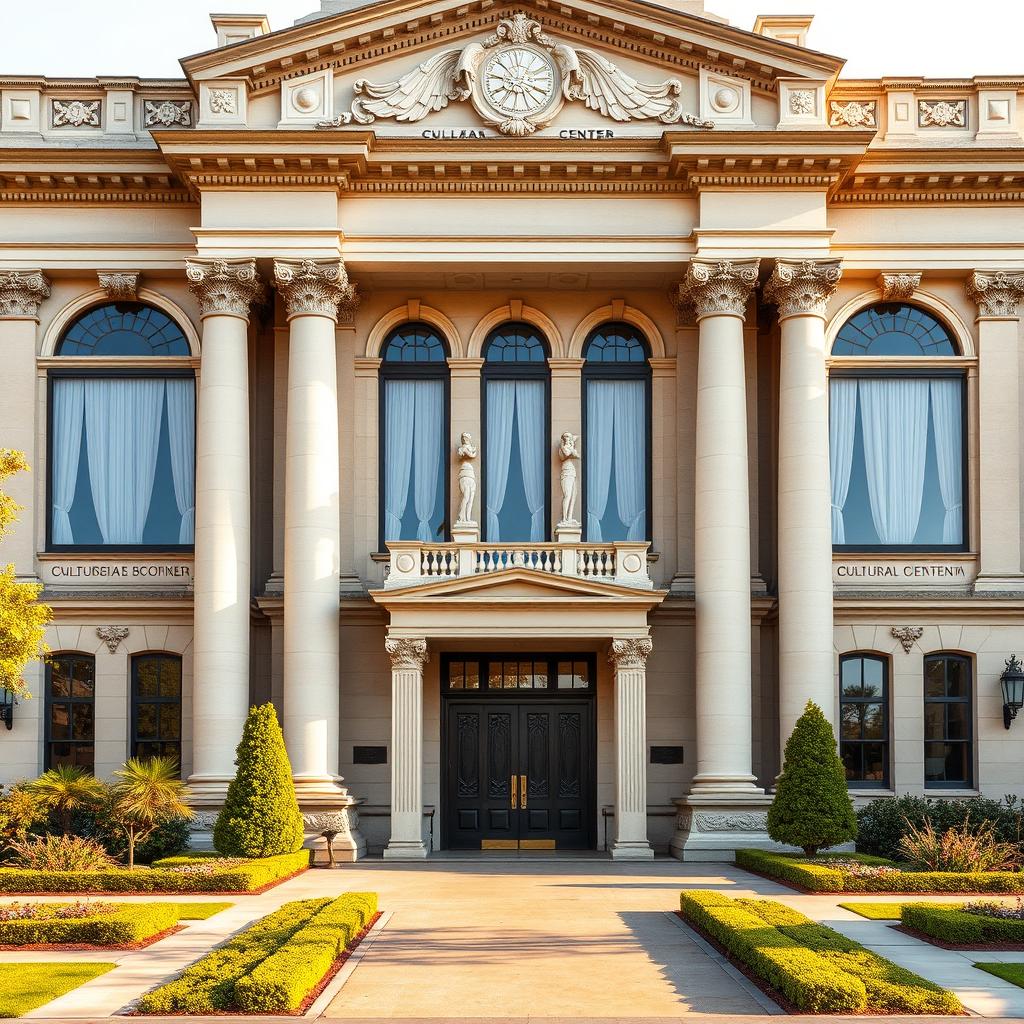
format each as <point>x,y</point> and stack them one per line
<point>801,289</point>
<point>628,658</point>
<point>226,289</point>
<point>719,293</point>
<point>408,656</point>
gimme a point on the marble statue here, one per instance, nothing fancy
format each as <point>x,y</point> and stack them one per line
<point>467,479</point>
<point>568,452</point>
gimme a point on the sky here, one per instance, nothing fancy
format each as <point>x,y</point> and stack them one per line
<point>145,38</point>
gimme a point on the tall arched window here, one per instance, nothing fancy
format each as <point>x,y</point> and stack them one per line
<point>897,404</point>
<point>948,726</point>
<point>616,434</point>
<point>156,706</point>
<point>517,480</point>
<point>122,437</point>
<point>414,404</point>
<point>864,719</point>
<point>70,707</point>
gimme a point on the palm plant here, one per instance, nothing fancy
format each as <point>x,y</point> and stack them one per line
<point>148,792</point>
<point>66,789</point>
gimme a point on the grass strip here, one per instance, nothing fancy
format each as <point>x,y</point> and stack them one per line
<point>25,986</point>
<point>199,911</point>
<point>1013,973</point>
<point>875,911</point>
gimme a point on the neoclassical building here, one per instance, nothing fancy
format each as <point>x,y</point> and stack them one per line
<point>539,403</point>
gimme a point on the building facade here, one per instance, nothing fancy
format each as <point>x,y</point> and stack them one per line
<point>709,357</point>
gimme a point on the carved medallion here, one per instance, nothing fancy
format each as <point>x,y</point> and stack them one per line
<point>907,636</point>
<point>112,636</point>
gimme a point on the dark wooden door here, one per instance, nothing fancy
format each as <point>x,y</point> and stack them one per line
<point>519,774</point>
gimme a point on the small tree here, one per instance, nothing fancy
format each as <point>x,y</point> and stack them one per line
<point>66,789</point>
<point>148,792</point>
<point>812,808</point>
<point>260,817</point>
<point>23,619</point>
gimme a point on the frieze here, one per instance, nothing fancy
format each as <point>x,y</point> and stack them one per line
<point>942,113</point>
<point>853,114</point>
<point>166,113</point>
<point>76,113</point>
<point>733,821</point>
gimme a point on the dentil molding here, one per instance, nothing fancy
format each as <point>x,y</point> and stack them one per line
<point>803,286</point>
<point>319,287</point>
<point>996,292</point>
<point>898,287</point>
<point>408,652</point>
<point>224,286</point>
<point>21,292</point>
<point>719,286</point>
<point>630,652</point>
<point>119,286</point>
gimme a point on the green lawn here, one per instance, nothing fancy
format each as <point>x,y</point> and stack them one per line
<point>1008,972</point>
<point>24,986</point>
<point>200,911</point>
<point>875,911</point>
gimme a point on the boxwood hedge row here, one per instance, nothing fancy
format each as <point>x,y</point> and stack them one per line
<point>122,927</point>
<point>951,924</point>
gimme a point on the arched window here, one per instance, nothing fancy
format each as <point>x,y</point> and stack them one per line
<point>896,433</point>
<point>156,706</point>
<point>122,437</point>
<point>948,728</point>
<point>70,706</point>
<point>864,719</point>
<point>616,434</point>
<point>414,410</point>
<point>516,417</point>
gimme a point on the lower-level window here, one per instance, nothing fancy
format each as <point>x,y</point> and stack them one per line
<point>864,719</point>
<point>70,703</point>
<point>948,754</point>
<point>156,706</point>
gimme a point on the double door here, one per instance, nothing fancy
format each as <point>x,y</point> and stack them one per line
<point>519,774</point>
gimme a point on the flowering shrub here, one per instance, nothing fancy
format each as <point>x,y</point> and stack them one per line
<point>60,853</point>
<point>856,869</point>
<point>210,866</point>
<point>54,911</point>
<point>987,908</point>
<point>960,848</point>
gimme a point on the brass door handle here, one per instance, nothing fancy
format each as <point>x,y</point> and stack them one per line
<point>522,790</point>
<point>514,797</point>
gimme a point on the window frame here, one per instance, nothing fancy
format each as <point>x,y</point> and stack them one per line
<point>850,371</point>
<point>885,782</point>
<point>137,371</point>
<point>133,696</point>
<point>619,371</point>
<point>968,702</point>
<point>48,702</point>
<point>547,658</point>
<point>495,370</point>
<point>437,369</point>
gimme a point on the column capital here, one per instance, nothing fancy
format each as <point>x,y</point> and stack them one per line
<point>120,286</point>
<point>630,652</point>
<point>719,287</point>
<point>899,287</point>
<point>21,292</point>
<point>802,287</point>
<point>408,652</point>
<point>227,287</point>
<point>318,287</point>
<point>997,293</point>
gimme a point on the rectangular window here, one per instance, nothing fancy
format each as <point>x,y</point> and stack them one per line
<point>897,461</point>
<point>948,728</point>
<point>156,706</point>
<point>864,719</point>
<point>505,673</point>
<point>70,705</point>
<point>122,462</point>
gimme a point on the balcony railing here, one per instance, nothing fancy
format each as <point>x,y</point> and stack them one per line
<point>415,562</point>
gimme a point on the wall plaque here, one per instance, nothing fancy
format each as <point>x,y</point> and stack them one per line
<point>902,573</point>
<point>127,572</point>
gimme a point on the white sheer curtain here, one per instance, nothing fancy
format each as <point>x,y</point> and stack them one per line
<point>399,420</point>
<point>122,422</point>
<point>894,416</point>
<point>68,416</point>
<point>948,426</point>
<point>428,418</point>
<point>597,450</point>
<point>842,426</point>
<point>631,456</point>
<point>181,431</point>
<point>501,405</point>
<point>531,423</point>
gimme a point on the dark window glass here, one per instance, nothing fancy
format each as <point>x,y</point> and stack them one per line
<point>948,729</point>
<point>414,343</point>
<point>864,719</point>
<point>893,329</point>
<point>503,673</point>
<point>123,329</point>
<point>515,343</point>
<point>615,343</point>
<point>70,702</point>
<point>156,706</point>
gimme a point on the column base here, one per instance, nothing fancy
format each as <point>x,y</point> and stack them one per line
<point>327,806</point>
<point>403,850</point>
<point>632,851</point>
<point>999,584</point>
<point>713,826</point>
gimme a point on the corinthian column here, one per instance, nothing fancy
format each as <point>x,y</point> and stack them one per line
<point>408,657</point>
<point>801,289</point>
<point>225,289</point>
<point>312,292</point>
<point>628,658</point>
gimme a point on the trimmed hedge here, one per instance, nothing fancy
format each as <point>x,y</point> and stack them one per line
<point>129,924</point>
<point>813,967</point>
<point>800,871</point>
<point>286,977</point>
<point>953,925</point>
<point>241,878</point>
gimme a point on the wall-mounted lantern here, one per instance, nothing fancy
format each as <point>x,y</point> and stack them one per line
<point>1012,684</point>
<point>7,707</point>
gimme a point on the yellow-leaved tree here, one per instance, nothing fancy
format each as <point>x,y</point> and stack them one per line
<point>23,618</point>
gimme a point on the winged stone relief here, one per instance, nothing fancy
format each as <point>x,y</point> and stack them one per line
<point>517,79</point>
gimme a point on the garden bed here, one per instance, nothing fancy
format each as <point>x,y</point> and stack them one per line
<point>952,927</point>
<point>194,874</point>
<point>872,874</point>
<point>26,986</point>
<point>277,965</point>
<point>806,966</point>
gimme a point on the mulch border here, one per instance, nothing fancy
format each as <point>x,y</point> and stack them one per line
<point>994,947</point>
<point>92,946</point>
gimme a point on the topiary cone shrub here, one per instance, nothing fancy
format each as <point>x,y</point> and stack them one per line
<point>812,808</point>
<point>260,817</point>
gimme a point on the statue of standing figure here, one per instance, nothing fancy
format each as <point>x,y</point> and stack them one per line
<point>467,479</point>
<point>568,452</point>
